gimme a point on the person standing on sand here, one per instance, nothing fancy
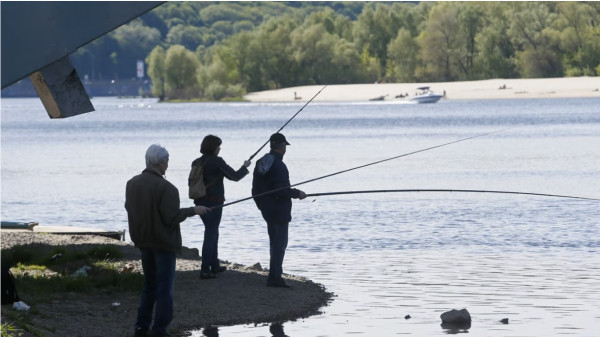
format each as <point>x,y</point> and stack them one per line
<point>271,174</point>
<point>215,169</point>
<point>154,215</point>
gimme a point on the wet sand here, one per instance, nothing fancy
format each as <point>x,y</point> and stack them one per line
<point>237,296</point>
<point>467,90</point>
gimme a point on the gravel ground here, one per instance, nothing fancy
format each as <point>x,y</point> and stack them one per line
<point>237,296</point>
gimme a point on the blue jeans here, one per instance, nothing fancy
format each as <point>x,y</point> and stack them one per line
<point>278,240</point>
<point>157,293</point>
<point>210,246</point>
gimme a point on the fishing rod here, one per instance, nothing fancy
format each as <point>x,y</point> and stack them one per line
<point>286,123</point>
<point>361,166</point>
<point>448,190</point>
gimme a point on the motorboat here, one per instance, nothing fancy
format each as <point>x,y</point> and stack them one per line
<point>424,95</point>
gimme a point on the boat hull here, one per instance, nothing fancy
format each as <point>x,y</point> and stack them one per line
<point>426,98</point>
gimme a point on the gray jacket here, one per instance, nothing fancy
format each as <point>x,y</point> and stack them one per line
<point>154,212</point>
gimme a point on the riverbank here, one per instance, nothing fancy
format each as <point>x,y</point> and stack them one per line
<point>237,296</point>
<point>567,87</point>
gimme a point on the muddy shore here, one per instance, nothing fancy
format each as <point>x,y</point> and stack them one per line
<point>237,296</point>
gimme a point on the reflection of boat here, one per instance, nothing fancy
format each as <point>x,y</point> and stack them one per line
<point>426,96</point>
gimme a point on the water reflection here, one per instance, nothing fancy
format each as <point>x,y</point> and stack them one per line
<point>211,331</point>
<point>276,330</point>
<point>456,328</point>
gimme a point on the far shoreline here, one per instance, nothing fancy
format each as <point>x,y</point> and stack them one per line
<point>564,87</point>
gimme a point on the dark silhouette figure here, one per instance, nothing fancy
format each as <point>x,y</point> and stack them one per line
<point>211,331</point>
<point>276,330</point>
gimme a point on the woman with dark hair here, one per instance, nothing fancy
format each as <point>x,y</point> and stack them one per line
<point>215,169</point>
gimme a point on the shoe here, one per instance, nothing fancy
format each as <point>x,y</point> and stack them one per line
<point>219,270</point>
<point>207,276</point>
<point>279,284</point>
<point>141,332</point>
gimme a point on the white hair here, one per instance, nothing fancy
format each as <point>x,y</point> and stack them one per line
<point>155,155</point>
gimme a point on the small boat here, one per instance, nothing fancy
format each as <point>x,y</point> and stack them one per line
<point>380,98</point>
<point>34,227</point>
<point>426,96</point>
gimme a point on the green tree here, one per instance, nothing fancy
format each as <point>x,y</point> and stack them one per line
<point>230,12</point>
<point>252,56</point>
<point>188,36</point>
<point>373,31</point>
<point>403,57</point>
<point>409,16</point>
<point>180,72</point>
<point>346,64</point>
<point>470,21</point>
<point>217,80</point>
<point>271,52</point>
<point>495,57</point>
<point>175,13</point>
<point>135,42</point>
<point>579,37</point>
<point>439,43</point>
<point>495,52</point>
<point>536,42</point>
<point>243,26</point>
<point>371,66</point>
<point>156,71</point>
<point>312,48</point>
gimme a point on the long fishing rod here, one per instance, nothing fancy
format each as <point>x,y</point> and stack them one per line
<point>448,190</point>
<point>286,123</point>
<point>361,166</point>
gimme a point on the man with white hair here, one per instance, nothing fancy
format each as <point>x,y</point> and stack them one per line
<point>154,215</point>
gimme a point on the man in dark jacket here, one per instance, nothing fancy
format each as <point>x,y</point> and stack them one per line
<point>154,214</point>
<point>271,174</point>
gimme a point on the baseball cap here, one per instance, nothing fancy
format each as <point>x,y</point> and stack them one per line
<point>278,138</point>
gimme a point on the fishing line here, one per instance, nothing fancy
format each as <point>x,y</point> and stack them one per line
<point>448,190</point>
<point>361,166</point>
<point>286,123</point>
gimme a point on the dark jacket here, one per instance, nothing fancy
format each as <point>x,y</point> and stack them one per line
<point>215,169</point>
<point>154,213</point>
<point>270,173</point>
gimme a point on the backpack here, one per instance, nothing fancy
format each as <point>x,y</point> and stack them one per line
<point>197,188</point>
<point>9,290</point>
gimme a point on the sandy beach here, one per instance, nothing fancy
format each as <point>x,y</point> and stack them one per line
<point>237,296</point>
<point>568,87</point>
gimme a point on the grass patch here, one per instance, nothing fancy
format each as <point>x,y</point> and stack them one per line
<point>43,273</point>
<point>9,330</point>
<point>40,273</point>
<point>24,322</point>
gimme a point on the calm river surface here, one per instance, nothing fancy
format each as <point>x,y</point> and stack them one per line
<point>533,260</point>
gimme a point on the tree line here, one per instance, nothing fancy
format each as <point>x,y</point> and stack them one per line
<point>218,51</point>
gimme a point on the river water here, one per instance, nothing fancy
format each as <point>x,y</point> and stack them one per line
<point>533,260</point>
